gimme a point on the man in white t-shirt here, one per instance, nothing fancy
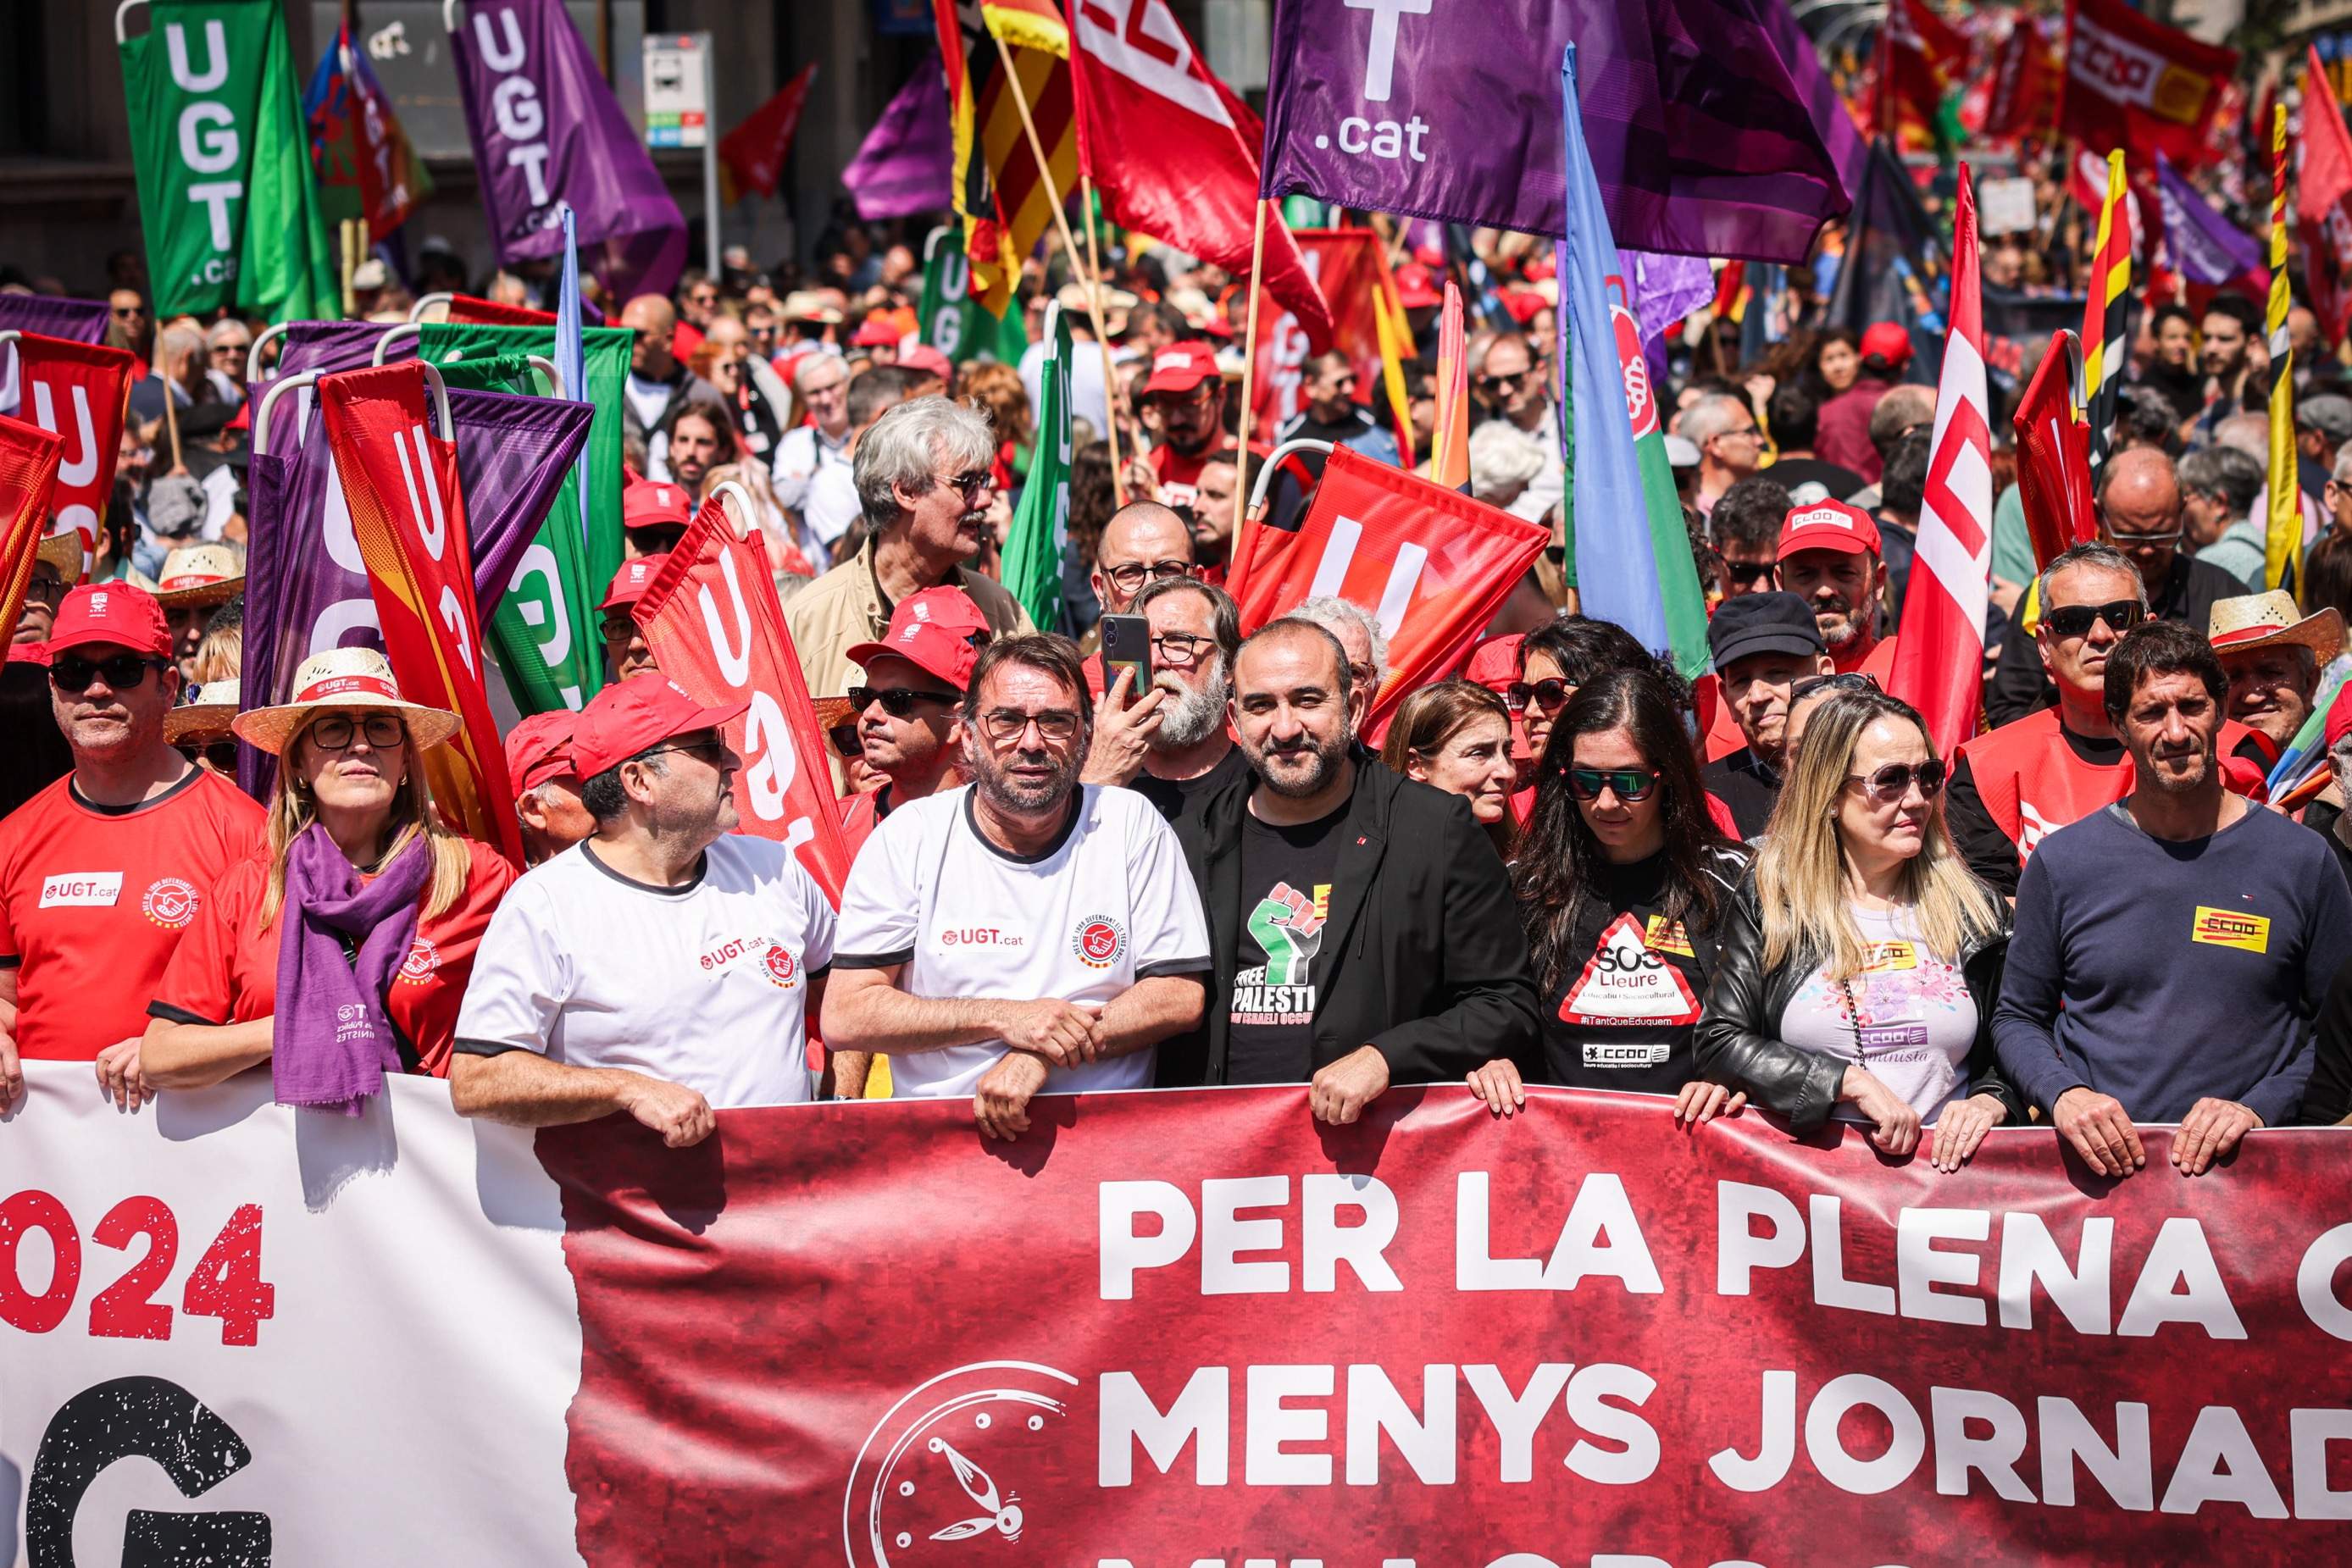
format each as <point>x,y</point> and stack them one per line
<point>1025,932</point>
<point>661,966</point>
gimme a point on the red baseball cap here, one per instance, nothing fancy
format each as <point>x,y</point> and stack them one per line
<point>2339,717</point>
<point>1414,289</point>
<point>629,583</point>
<point>114,612</point>
<point>539,748</point>
<point>649,503</point>
<point>1828,524</point>
<point>1181,367</point>
<point>1888,341</point>
<point>630,716</point>
<point>875,332</point>
<point>923,357</point>
<point>933,629</point>
<point>1494,664</point>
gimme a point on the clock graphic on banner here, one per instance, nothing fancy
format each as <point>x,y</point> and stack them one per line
<point>940,1477</point>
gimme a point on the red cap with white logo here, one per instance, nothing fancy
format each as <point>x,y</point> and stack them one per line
<point>113,612</point>
<point>628,717</point>
<point>933,629</point>
<point>629,583</point>
<point>1828,524</point>
<point>653,504</point>
<point>1181,367</point>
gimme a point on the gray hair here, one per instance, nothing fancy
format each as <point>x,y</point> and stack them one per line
<point>812,363</point>
<point>1331,613</point>
<point>2104,557</point>
<point>1712,415</point>
<point>1224,615</point>
<point>904,447</point>
<point>2226,471</point>
<point>2343,475</point>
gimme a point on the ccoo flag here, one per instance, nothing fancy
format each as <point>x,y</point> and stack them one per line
<point>1040,529</point>
<point>1632,552</point>
<point>226,194</point>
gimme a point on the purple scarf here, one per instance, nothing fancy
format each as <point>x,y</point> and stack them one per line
<point>333,1038</point>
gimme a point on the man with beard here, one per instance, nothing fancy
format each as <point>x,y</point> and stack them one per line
<point>102,873</point>
<point>1213,515</point>
<point>701,437</point>
<point>2171,950</point>
<point>1187,394</point>
<point>1830,556</point>
<point>1363,929</point>
<point>1172,746</point>
<point>2232,325</point>
<point>1025,933</point>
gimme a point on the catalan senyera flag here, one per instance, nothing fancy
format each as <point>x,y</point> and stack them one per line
<point>1006,201</point>
<point>2282,529</point>
<point>2105,346</point>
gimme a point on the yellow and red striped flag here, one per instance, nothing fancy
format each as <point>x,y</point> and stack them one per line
<point>2105,347</point>
<point>2282,529</point>
<point>1006,201</point>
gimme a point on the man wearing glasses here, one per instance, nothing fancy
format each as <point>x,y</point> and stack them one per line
<point>665,966</point>
<point>1143,543</point>
<point>1510,384</point>
<point>56,563</point>
<point>102,873</point>
<point>1723,428</point>
<point>1172,748</point>
<point>1026,932</point>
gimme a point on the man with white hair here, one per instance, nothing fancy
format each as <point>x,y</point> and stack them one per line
<point>1724,430</point>
<point>1172,746</point>
<point>823,383</point>
<point>1361,637</point>
<point>923,482</point>
<point>1503,464</point>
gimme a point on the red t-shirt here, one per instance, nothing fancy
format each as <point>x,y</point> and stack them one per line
<point>1876,661</point>
<point>93,900</point>
<point>226,970</point>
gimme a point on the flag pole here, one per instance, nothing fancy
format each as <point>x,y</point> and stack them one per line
<point>1249,365</point>
<point>1069,244</point>
<point>1110,379</point>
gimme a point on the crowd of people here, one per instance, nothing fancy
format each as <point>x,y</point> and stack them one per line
<point>1251,860</point>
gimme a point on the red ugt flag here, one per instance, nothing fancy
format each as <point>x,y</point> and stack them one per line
<point>713,624</point>
<point>2322,202</point>
<point>78,391</point>
<point>1346,266</point>
<point>2139,85</point>
<point>755,151</point>
<point>2023,97</point>
<point>2054,455</point>
<point>408,513</point>
<point>1431,564</point>
<point>28,473</point>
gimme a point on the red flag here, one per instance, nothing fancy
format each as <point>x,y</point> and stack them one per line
<point>2323,203</point>
<point>2136,84</point>
<point>78,390</point>
<point>755,151</point>
<point>29,457</point>
<point>1450,438</point>
<point>1939,654</point>
<point>1921,58</point>
<point>713,624</point>
<point>408,515</point>
<point>474,312</point>
<point>2054,455</point>
<point>1346,266</point>
<point>1160,137</point>
<point>2024,97</point>
<point>1431,563</point>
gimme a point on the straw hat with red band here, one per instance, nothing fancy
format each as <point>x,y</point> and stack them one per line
<point>539,748</point>
<point>110,612</point>
<point>2259,620</point>
<point>633,716</point>
<point>1828,524</point>
<point>342,680</point>
<point>629,583</point>
<point>199,574</point>
<point>934,631</point>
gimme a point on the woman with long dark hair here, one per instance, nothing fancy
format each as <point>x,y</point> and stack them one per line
<point>1623,878</point>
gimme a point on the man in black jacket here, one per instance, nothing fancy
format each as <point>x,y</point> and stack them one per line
<point>1361,927</point>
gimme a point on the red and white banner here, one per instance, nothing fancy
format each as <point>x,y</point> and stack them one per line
<point>715,627</point>
<point>2323,203</point>
<point>1431,564</point>
<point>399,478</point>
<point>2022,99</point>
<point>2136,84</point>
<point>79,391</point>
<point>1345,264</point>
<point>1162,1329</point>
<point>29,457</point>
<point>1939,655</point>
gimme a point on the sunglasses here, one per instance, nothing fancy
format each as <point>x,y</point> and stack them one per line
<point>1550,694</point>
<point>2074,620</point>
<point>710,751</point>
<point>1852,681</point>
<point>2143,541</point>
<point>1891,782</point>
<point>336,732</point>
<point>1632,785</point>
<point>222,756</point>
<point>1748,571</point>
<point>1502,383</point>
<point>121,672</point>
<point>843,738</point>
<point>899,702</point>
<point>979,482</point>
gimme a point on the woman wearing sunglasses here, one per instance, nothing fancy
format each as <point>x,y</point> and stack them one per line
<point>1860,962</point>
<point>341,950</point>
<point>1622,879</point>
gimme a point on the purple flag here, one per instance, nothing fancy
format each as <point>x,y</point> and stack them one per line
<point>1664,288</point>
<point>306,587</point>
<point>1712,128</point>
<point>547,130</point>
<point>79,321</point>
<point>328,346</point>
<point>2206,247</point>
<point>902,166</point>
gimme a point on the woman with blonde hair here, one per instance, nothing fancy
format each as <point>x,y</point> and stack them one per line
<point>341,949</point>
<point>1861,960</point>
<point>1456,736</point>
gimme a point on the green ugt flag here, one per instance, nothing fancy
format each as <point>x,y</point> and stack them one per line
<point>1041,524</point>
<point>227,193</point>
<point>545,629</point>
<point>951,319</point>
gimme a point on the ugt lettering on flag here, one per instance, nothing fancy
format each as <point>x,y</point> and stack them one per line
<point>78,391</point>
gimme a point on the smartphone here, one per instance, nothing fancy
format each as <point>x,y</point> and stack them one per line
<point>1127,645</point>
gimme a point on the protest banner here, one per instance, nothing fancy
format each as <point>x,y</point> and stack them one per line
<point>2207,250</point>
<point>901,168</point>
<point>2054,455</point>
<point>78,391</point>
<point>79,321</point>
<point>1004,61</point>
<point>1922,59</point>
<point>947,316</point>
<point>853,1334</point>
<point>2323,206</point>
<point>1344,266</point>
<point>2105,346</point>
<point>2133,84</point>
<point>29,457</point>
<point>366,167</point>
<point>2022,95</point>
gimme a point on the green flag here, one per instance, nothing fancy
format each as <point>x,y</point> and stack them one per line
<point>952,321</point>
<point>1041,524</point>
<point>227,193</point>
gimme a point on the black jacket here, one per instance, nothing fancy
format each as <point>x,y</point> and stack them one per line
<point>1737,1043</point>
<point>1422,954</point>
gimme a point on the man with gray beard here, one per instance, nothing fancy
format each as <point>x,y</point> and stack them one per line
<point>1175,750</point>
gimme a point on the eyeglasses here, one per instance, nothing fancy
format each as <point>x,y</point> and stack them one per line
<point>2143,541</point>
<point>1894,781</point>
<point>2074,620</point>
<point>1550,694</point>
<point>121,672</point>
<point>977,483</point>
<point>334,732</point>
<point>899,702</point>
<point>47,590</point>
<point>1181,647</point>
<point>1632,785</point>
<point>1504,384</point>
<point>1852,681</point>
<point>1004,723</point>
<point>711,750</point>
<point>230,351</point>
<point>1129,577</point>
<point>1748,571</point>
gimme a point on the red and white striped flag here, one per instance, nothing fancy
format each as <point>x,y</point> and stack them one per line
<point>1939,655</point>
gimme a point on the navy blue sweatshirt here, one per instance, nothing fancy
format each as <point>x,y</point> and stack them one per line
<point>2185,970</point>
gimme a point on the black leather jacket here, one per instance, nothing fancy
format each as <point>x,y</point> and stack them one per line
<point>1738,1042</point>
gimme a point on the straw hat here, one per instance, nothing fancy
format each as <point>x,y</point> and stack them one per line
<point>1115,302</point>
<point>63,551</point>
<point>807,305</point>
<point>2259,619</point>
<point>342,680</point>
<point>199,574</point>
<point>204,715</point>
